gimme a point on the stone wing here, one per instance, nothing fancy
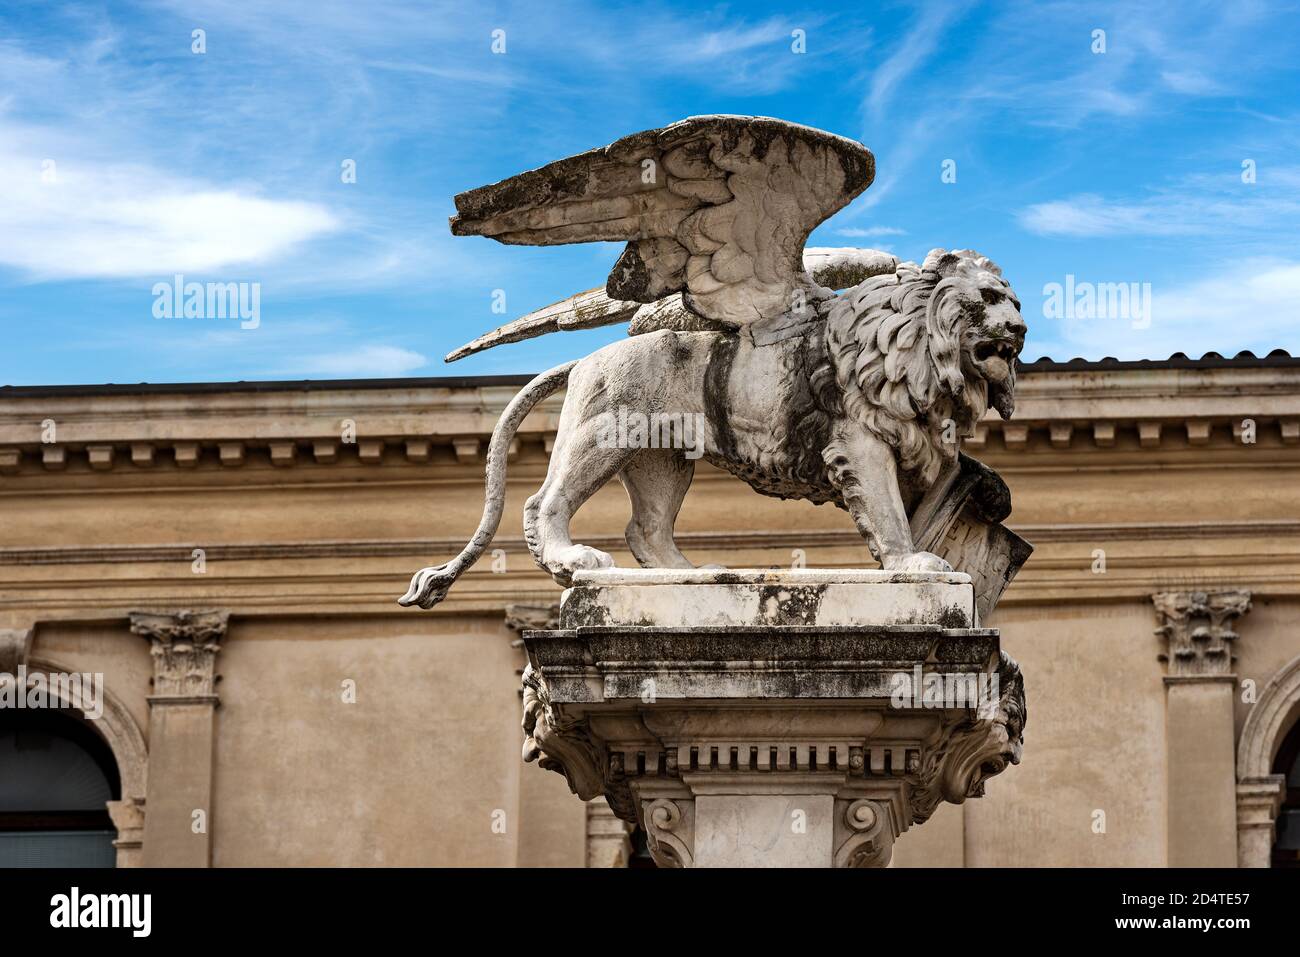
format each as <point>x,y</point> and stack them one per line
<point>717,208</point>
<point>833,268</point>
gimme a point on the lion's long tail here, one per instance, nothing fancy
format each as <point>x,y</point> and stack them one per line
<point>429,585</point>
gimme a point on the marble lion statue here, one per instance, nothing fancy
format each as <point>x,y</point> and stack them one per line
<point>740,350</point>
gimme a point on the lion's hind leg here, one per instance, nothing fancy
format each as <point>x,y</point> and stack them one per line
<point>580,465</point>
<point>656,481</point>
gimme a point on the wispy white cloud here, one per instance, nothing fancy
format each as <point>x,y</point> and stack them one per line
<point>731,40</point>
<point>919,43</point>
<point>1091,215</point>
<point>1191,82</point>
<point>325,345</point>
<point>362,362</point>
<point>1220,205</point>
<point>871,231</point>
<point>66,218</point>
<point>722,50</point>
<point>1251,305</point>
<point>952,79</point>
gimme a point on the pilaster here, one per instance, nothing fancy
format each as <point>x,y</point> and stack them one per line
<point>182,734</point>
<point>1196,628</point>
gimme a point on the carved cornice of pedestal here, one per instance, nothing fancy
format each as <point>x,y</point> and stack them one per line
<point>1197,626</point>
<point>184,647</point>
<point>653,759</point>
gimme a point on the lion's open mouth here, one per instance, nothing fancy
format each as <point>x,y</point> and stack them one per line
<point>1002,348</point>
<point>995,358</point>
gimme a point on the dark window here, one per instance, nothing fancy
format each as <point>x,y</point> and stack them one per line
<point>1286,849</point>
<point>56,778</point>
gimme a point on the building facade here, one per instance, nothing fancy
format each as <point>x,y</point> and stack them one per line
<point>228,558</point>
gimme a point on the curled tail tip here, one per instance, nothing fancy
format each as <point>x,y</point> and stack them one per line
<point>428,587</point>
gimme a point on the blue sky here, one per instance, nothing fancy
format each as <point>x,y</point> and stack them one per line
<point>125,158</point>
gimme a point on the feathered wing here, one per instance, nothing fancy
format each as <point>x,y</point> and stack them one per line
<point>717,208</point>
<point>833,268</point>
<point>586,310</point>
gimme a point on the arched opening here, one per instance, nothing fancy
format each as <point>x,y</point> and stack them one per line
<point>56,779</point>
<point>1286,847</point>
<point>1268,822</point>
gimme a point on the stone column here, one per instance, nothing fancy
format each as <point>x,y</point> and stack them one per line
<point>771,719</point>
<point>1258,803</point>
<point>182,730</point>
<point>128,817</point>
<point>15,646</point>
<point>608,841</point>
<point>1201,744</point>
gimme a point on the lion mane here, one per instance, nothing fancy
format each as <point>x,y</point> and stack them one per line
<point>893,345</point>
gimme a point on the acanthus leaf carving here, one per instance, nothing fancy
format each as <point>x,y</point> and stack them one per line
<point>1197,628</point>
<point>184,647</point>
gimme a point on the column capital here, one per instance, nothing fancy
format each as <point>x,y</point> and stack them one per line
<point>184,646</point>
<point>1197,629</point>
<point>15,646</point>
<point>128,817</point>
<point>530,617</point>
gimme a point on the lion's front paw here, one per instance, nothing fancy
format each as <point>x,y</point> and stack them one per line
<point>921,562</point>
<point>576,558</point>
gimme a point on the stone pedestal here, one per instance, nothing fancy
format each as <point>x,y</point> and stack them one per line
<point>771,719</point>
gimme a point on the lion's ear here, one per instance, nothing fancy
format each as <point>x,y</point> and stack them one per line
<point>932,258</point>
<point>942,262</point>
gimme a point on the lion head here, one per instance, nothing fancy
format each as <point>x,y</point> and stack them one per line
<point>925,346</point>
<point>974,748</point>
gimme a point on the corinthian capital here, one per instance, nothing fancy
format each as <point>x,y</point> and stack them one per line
<point>1198,629</point>
<point>185,646</point>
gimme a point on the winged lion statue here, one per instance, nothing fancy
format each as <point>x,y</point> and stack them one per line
<point>742,352</point>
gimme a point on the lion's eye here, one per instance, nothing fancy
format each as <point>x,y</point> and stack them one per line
<point>991,297</point>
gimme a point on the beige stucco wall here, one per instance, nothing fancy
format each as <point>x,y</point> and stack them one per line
<point>308,559</point>
<point>410,774</point>
<point>1095,742</point>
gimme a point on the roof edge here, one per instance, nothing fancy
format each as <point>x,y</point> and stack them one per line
<point>1278,358</point>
